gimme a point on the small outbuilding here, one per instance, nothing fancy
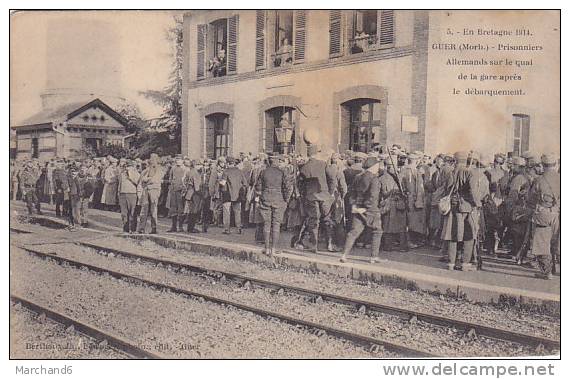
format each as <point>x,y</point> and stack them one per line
<point>69,131</point>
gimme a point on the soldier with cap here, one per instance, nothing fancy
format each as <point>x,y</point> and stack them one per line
<point>435,182</point>
<point>193,197</point>
<point>28,178</point>
<point>458,225</point>
<point>354,167</point>
<point>338,189</point>
<point>233,185</point>
<point>275,191</point>
<point>497,171</point>
<point>317,200</point>
<point>86,186</point>
<point>128,182</point>
<point>61,185</point>
<point>544,200</point>
<point>413,186</point>
<point>394,221</point>
<point>517,187</point>
<point>365,205</point>
<point>150,181</point>
<point>481,193</point>
<point>177,189</point>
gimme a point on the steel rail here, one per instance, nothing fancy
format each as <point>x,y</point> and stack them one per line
<point>480,329</point>
<point>357,339</point>
<point>116,342</point>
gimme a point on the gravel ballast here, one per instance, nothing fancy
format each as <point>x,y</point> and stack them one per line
<point>35,336</point>
<point>418,335</point>
<point>167,323</point>
<point>508,318</point>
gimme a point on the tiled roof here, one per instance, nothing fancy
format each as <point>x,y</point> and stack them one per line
<point>48,115</point>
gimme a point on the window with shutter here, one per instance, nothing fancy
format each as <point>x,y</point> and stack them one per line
<point>335,33</point>
<point>232,44</point>
<point>259,39</point>
<point>300,36</point>
<point>201,51</point>
<point>386,30</point>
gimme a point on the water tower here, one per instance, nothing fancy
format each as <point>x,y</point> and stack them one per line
<point>82,62</point>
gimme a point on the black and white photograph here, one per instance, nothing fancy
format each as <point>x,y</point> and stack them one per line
<point>285,184</point>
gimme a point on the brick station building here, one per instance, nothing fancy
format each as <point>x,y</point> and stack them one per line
<point>351,75</point>
<point>361,78</point>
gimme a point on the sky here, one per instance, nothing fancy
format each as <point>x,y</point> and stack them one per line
<point>134,42</point>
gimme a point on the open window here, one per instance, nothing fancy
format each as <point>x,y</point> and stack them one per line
<point>217,135</point>
<point>282,53</point>
<point>370,30</point>
<point>366,124</point>
<point>216,46</point>
<point>280,130</point>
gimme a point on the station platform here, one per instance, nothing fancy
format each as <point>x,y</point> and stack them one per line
<point>500,280</point>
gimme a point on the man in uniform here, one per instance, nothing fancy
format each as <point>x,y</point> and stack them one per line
<point>458,224</point>
<point>516,188</point>
<point>364,202</point>
<point>28,178</point>
<point>151,182</point>
<point>193,198</point>
<point>337,188</point>
<point>128,182</point>
<point>480,192</point>
<point>317,200</point>
<point>394,221</point>
<point>177,180</point>
<point>413,186</point>
<point>275,191</point>
<point>233,186</point>
<point>544,199</point>
<point>354,167</point>
<point>496,171</point>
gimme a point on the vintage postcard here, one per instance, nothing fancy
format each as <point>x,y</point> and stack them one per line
<point>285,184</point>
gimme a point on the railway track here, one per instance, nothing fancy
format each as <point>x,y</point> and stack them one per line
<point>480,329</point>
<point>357,339</point>
<point>118,343</point>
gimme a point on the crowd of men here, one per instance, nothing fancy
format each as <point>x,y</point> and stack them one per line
<point>464,205</point>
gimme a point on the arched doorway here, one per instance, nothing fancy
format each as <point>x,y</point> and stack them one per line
<point>365,123</point>
<point>217,135</point>
<point>277,138</point>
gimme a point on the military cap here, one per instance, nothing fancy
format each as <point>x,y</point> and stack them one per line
<point>461,156</point>
<point>548,159</point>
<point>519,161</point>
<point>499,158</point>
<point>369,162</point>
<point>414,156</point>
<point>531,158</point>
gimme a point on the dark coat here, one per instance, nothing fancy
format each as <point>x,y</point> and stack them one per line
<point>313,180</point>
<point>235,186</point>
<point>274,187</point>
